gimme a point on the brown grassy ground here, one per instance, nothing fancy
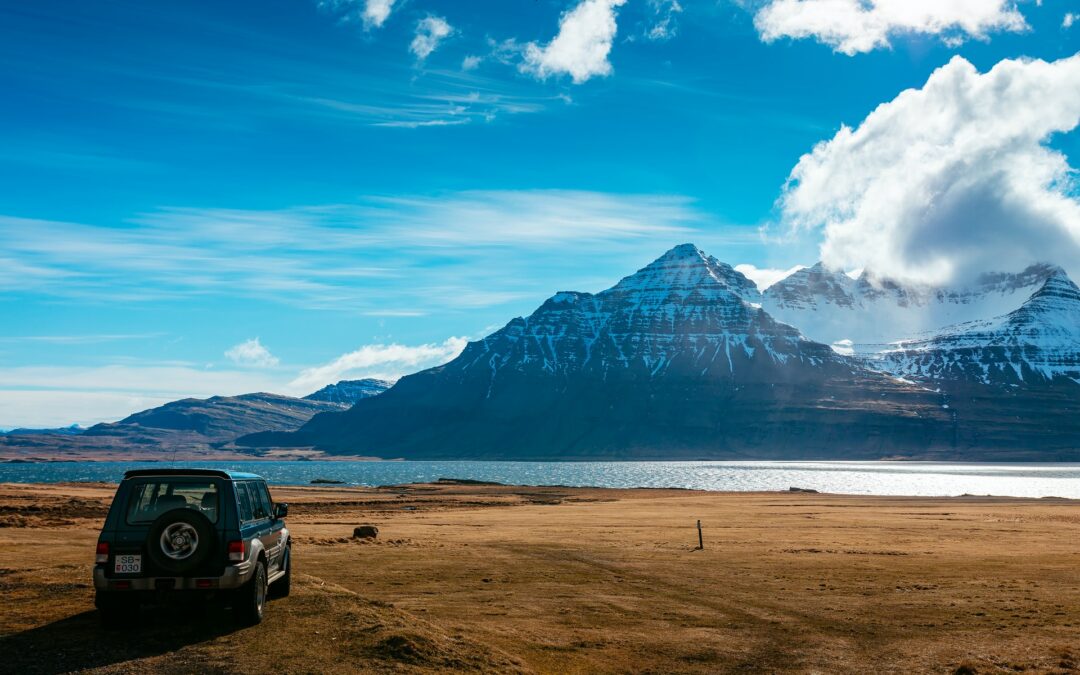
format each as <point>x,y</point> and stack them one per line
<point>562,580</point>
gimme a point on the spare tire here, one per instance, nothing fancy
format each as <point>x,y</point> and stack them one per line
<point>180,541</point>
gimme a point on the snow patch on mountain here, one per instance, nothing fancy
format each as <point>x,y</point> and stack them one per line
<point>830,306</point>
<point>1038,342</point>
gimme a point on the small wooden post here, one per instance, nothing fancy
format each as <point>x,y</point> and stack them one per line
<point>700,541</point>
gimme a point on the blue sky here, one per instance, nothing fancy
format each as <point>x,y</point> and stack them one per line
<point>219,197</point>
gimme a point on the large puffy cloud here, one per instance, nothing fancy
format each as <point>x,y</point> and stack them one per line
<point>950,179</point>
<point>581,48</point>
<point>853,26</point>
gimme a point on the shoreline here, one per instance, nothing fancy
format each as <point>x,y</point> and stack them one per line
<point>335,486</point>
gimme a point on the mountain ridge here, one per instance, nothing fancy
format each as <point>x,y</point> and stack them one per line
<point>680,361</point>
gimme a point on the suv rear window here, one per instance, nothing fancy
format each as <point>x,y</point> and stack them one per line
<point>151,498</point>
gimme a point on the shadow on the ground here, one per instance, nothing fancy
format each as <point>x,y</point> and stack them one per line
<point>82,642</point>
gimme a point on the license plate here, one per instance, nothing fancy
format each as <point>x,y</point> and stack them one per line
<point>127,564</point>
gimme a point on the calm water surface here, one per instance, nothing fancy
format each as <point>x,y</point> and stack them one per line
<point>877,478</point>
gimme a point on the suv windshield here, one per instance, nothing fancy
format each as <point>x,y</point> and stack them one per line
<point>152,497</point>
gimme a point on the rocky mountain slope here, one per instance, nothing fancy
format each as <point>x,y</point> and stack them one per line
<point>675,361</point>
<point>1035,344</point>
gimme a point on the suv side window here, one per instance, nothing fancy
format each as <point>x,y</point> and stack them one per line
<point>260,500</point>
<point>245,502</point>
<point>267,498</point>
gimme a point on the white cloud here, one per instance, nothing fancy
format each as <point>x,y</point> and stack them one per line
<point>387,361</point>
<point>372,13</point>
<point>1069,19</point>
<point>950,179</point>
<point>664,26</point>
<point>853,26</point>
<point>430,31</point>
<point>251,353</point>
<point>328,256</point>
<point>376,12</point>
<point>471,62</point>
<point>764,277</point>
<point>581,48</point>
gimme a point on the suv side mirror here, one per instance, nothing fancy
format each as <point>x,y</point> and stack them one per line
<point>280,511</point>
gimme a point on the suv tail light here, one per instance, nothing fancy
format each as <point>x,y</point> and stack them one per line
<point>236,551</point>
<point>102,552</point>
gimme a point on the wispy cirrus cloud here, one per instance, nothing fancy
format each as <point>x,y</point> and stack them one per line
<point>264,87</point>
<point>81,339</point>
<point>663,23</point>
<point>489,248</point>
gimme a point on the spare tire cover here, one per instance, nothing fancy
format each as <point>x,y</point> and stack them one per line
<point>180,540</point>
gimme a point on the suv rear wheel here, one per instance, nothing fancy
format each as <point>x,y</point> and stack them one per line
<point>250,598</point>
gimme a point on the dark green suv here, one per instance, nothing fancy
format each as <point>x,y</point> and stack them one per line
<point>192,533</point>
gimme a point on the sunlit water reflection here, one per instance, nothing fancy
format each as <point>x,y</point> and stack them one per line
<point>879,478</point>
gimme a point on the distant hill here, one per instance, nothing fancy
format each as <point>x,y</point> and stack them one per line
<point>187,426</point>
<point>72,430</point>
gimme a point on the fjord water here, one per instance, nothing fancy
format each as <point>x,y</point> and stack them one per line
<point>874,478</point>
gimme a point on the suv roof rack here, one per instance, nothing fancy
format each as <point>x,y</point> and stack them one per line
<point>218,473</point>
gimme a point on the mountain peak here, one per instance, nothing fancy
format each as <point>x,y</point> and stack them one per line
<point>685,268</point>
<point>348,392</point>
<point>1057,290</point>
<point>687,250</point>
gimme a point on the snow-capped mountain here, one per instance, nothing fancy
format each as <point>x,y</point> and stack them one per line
<point>684,314</point>
<point>1037,343</point>
<point>348,392</point>
<point>685,360</point>
<point>865,314</point>
<point>675,361</point>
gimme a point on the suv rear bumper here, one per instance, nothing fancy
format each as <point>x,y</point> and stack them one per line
<point>234,576</point>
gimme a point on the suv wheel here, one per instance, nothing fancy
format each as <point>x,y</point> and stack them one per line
<point>251,597</point>
<point>180,541</point>
<point>281,587</point>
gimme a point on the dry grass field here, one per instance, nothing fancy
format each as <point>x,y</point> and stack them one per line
<point>566,580</point>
